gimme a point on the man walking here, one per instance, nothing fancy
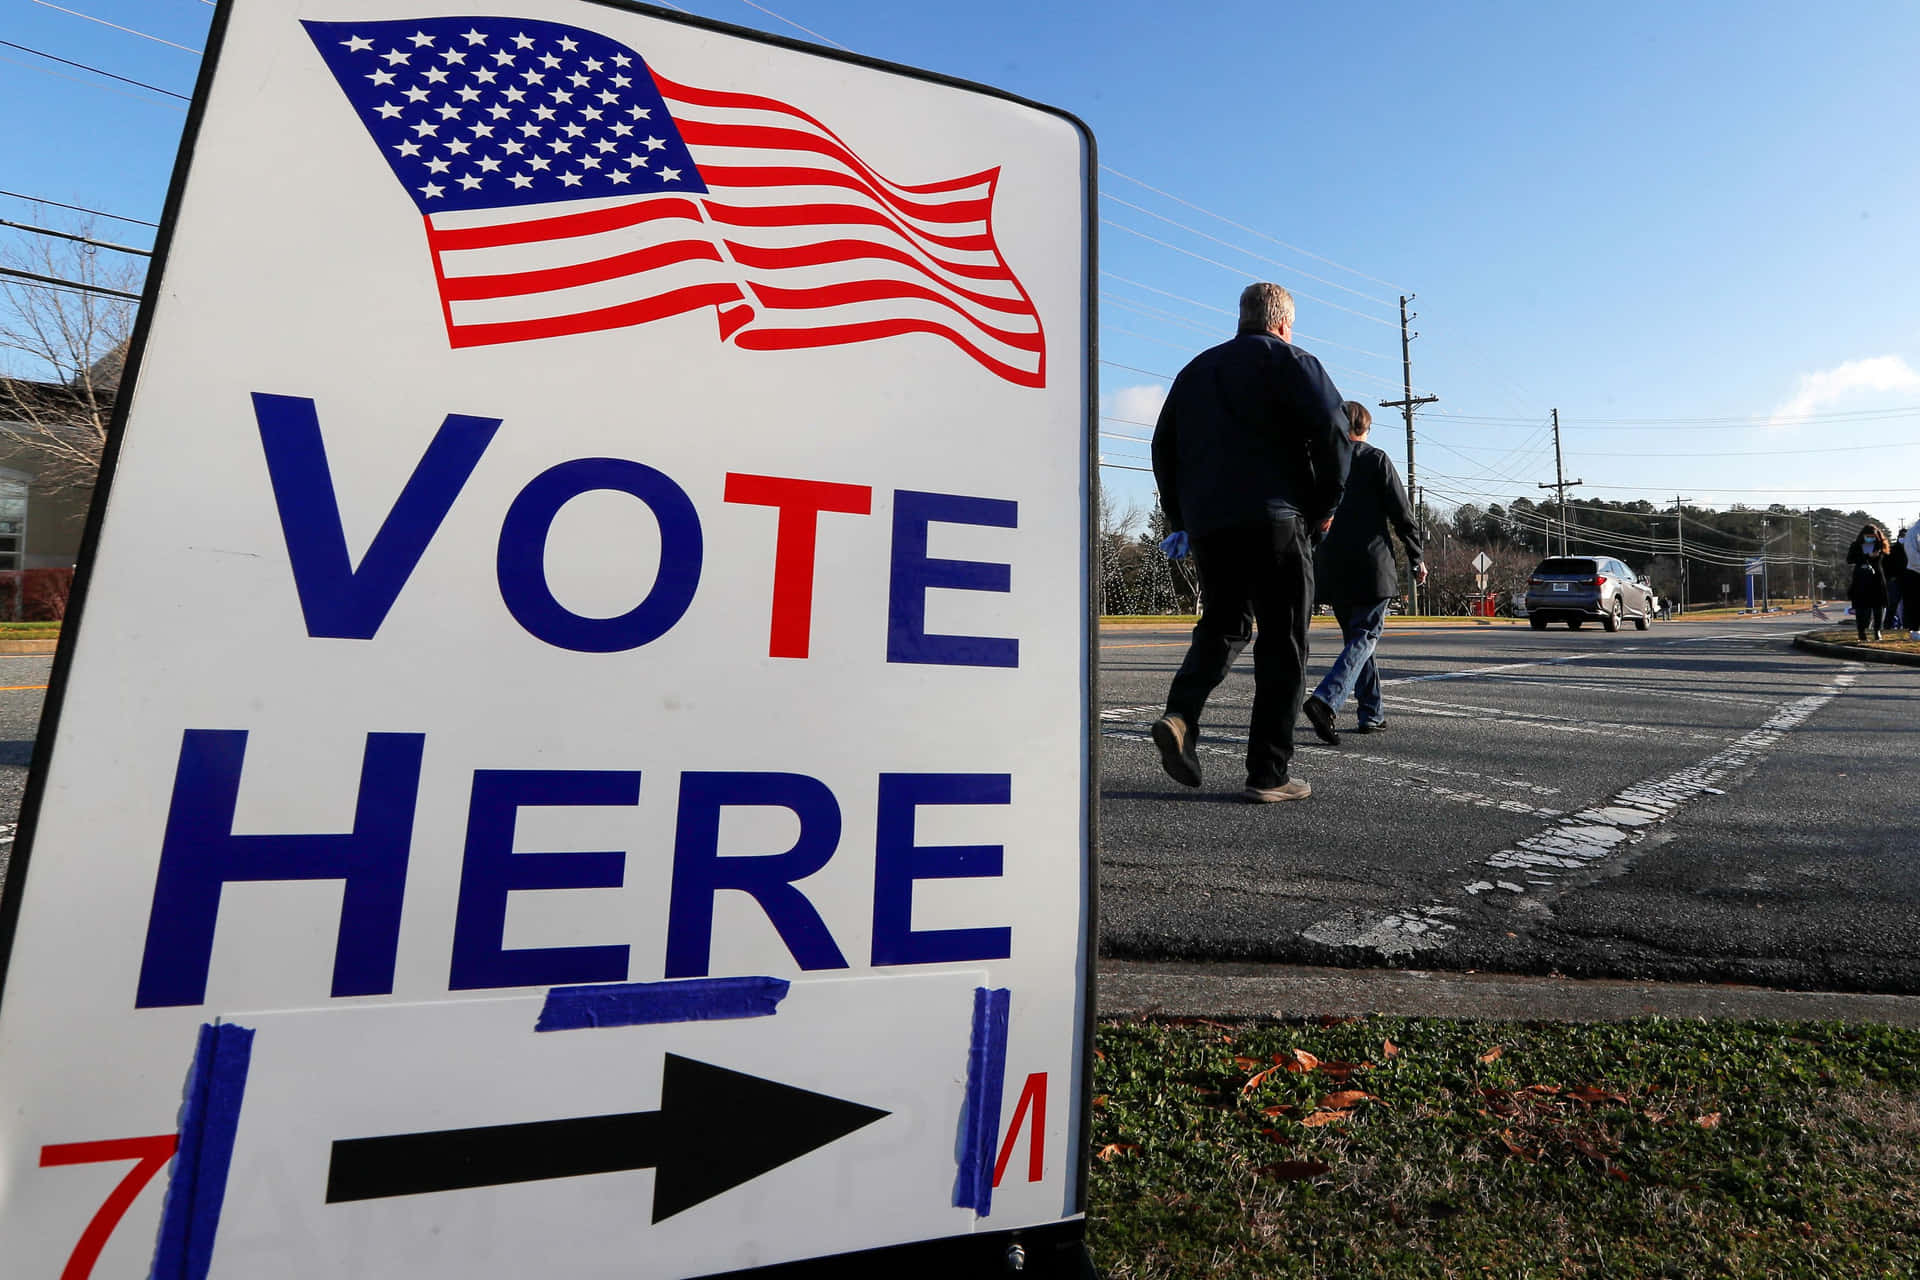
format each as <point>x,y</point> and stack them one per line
<point>1250,453</point>
<point>1355,574</point>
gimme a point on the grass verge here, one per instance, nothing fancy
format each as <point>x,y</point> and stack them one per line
<point>1393,1147</point>
<point>29,631</point>
<point>1895,642</point>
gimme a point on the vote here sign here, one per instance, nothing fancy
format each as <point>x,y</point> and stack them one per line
<point>574,754</point>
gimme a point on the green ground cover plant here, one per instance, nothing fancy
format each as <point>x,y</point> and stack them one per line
<point>1393,1147</point>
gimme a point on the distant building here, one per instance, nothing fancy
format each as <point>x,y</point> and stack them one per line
<point>44,495</point>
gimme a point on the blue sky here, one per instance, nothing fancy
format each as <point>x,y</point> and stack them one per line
<point>1638,216</point>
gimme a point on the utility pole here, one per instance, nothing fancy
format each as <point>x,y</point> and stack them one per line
<point>1680,532</point>
<point>1406,405</point>
<point>1561,483</point>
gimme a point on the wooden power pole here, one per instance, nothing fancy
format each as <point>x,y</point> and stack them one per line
<point>1406,405</point>
<point>1561,483</point>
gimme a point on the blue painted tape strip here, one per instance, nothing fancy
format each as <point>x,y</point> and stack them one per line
<point>986,1083</point>
<point>209,1117</point>
<point>632,1004</point>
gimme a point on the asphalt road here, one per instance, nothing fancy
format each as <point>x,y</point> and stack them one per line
<point>1698,801</point>
<point>22,689</point>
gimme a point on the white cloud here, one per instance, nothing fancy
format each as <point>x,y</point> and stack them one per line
<point>1136,404</point>
<point>1820,390</point>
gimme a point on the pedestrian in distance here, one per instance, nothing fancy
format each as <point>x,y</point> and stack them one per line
<point>1868,590</point>
<point>1910,578</point>
<point>1353,571</point>
<point>1896,579</point>
<point>1250,453</point>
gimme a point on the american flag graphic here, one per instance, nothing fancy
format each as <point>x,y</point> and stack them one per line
<point>566,188</point>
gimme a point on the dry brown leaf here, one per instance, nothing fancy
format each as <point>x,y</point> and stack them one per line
<point>1297,1060</point>
<point>1279,1109</point>
<point>1614,1171</point>
<point>1491,1054</point>
<point>1255,1080</point>
<point>1591,1094</point>
<point>1295,1170</point>
<point>1346,1100</point>
<point>1246,1064</point>
<point>1113,1149</point>
<point>1709,1121</point>
<point>1100,1100</point>
<point>1389,1049</point>
<point>1322,1118</point>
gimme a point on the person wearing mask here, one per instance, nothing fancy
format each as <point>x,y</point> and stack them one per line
<point>1910,578</point>
<point>1353,571</point>
<point>1250,453</point>
<point>1868,591</point>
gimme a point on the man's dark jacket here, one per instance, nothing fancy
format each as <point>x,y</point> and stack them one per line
<point>1355,563</point>
<point>1252,429</point>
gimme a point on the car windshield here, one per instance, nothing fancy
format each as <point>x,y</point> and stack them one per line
<point>1567,565</point>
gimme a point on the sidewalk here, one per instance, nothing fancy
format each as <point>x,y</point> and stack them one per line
<point>1177,989</point>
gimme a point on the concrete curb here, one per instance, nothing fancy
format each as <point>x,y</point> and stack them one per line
<point>1857,652</point>
<point>16,647</point>
<point>1145,988</point>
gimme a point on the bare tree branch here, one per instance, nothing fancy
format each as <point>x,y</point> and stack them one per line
<point>61,351</point>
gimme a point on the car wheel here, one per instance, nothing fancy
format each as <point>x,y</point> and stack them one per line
<point>1612,621</point>
<point>1538,624</point>
<point>1640,623</point>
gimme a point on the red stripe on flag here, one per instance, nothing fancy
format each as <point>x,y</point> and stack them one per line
<point>593,222</point>
<point>749,101</point>
<point>658,307</point>
<point>720,176</point>
<point>820,254</point>
<point>520,283</point>
<point>839,295</point>
<point>761,137</point>
<point>807,215</point>
<point>838,335</point>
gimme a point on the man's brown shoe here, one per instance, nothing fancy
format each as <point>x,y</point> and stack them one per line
<point>1291,790</point>
<point>1174,736</point>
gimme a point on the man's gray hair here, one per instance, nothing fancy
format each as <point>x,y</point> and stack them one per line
<point>1264,308</point>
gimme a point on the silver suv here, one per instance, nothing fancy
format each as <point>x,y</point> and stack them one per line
<point>1573,589</point>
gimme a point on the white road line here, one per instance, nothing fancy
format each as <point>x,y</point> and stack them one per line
<point>1628,691</point>
<point>1454,795</point>
<point>1475,672</point>
<point>1576,842</point>
<point>1503,713</point>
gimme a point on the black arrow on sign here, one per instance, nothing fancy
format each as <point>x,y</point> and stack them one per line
<point>715,1129</point>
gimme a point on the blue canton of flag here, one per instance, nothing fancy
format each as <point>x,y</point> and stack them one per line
<point>486,113</point>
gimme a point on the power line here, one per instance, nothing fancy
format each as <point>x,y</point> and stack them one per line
<point>47,4</point>
<point>42,53</point>
<point>57,283</point>
<point>1215,262</point>
<point>1234,315</point>
<point>68,235</point>
<point>1260,257</point>
<point>1241,226</point>
<point>77,208</point>
<point>796,26</point>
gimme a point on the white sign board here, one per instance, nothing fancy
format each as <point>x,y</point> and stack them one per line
<point>1481,563</point>
<point>574,753</point>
